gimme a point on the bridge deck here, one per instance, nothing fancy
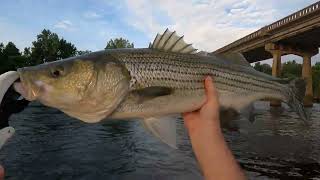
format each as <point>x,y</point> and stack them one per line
<point>301,29</point>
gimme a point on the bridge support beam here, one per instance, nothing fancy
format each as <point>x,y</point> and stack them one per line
<point>277,50</point>
<point>307,75</point>
<point>276,71</point>
<point>276,66</point>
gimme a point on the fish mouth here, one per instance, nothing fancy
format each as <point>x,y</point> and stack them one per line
<point>24,87</point>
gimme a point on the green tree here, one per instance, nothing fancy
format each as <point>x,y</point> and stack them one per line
<point>265,68</point>
<point>11,50</point>
<point>2,59</point>
<point>66,49</point>
<point>27,52</point>
<point>49,47</point>
<point>45,48</point>
<point>1,47</point>
<point>316,79</point>
<point>10,53</point>
<point>1,51</point>
<point>26,57</point>
<point>119,43</point>
<point>291,70</point>
<point>10,58</point>
<point>18,62</point>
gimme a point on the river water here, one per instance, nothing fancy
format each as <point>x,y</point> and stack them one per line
<point>50,145</point>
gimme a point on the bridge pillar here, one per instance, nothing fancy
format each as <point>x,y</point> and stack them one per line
<point>276,52</point>
<point>278,49</point>
<point>276,71</point>
<point>307,75</point>
<point>276,64</point>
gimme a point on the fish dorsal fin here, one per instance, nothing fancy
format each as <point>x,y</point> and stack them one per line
<point>203,53</point>
<point>171,42</point>
<point>236,58</point>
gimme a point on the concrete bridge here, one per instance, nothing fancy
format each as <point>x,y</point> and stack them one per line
<point>298,34</point>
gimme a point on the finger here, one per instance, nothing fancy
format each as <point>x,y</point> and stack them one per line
<point>211,92</point>
<point>188,115</point>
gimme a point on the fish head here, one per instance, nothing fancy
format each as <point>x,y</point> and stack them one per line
<point>86,89</point>
<point>55,83</point>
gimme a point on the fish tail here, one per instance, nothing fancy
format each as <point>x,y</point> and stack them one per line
<point>297,89</point>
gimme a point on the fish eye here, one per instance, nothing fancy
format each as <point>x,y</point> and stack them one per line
<point>57,72</point>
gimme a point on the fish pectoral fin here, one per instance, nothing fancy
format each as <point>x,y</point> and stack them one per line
<point>152,92</point>
<point>163,128</point>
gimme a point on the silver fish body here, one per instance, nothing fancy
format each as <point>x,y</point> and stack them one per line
<point>183,75</point>
<point>166,78</point>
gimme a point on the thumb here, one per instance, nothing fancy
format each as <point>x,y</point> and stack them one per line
<point>211,91</point>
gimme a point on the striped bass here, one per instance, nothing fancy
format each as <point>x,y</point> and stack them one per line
<point>166,78</point>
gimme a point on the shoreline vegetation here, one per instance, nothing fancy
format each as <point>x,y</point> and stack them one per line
<point>291,70</point>
<point>48,46</point>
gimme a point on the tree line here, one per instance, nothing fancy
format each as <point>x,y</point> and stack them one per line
<point>293,70</point>
<point>47,47</point>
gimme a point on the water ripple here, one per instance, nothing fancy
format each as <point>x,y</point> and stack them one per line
<point>50,145</point>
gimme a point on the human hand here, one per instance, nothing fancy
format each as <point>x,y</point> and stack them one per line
<point>208,114</point>
<point>209,146</point>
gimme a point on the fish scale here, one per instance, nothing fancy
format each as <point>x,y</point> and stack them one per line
<point>154,69</point>
<point>185,74</point>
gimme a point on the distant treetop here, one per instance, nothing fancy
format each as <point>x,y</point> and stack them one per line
<point>50,47</point>
<point>119,43</point>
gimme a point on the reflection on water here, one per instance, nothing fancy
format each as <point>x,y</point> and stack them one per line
<point>50,145</point>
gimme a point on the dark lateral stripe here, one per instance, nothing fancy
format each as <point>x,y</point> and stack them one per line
<point>206,66</point>
<point>211,69</point>
<point>248,86</point>
<point>217,80</point>
<point>254,82</point>
<point>224,80</point>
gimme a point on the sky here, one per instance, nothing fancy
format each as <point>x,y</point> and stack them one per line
<point>89,24</point>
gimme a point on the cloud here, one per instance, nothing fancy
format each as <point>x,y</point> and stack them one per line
<point>207,24</point>
<point>65,25</point>
<point>91,15</point>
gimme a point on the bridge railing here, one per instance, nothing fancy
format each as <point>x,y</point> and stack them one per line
<point>293,17</point>
<point>306,11</point>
